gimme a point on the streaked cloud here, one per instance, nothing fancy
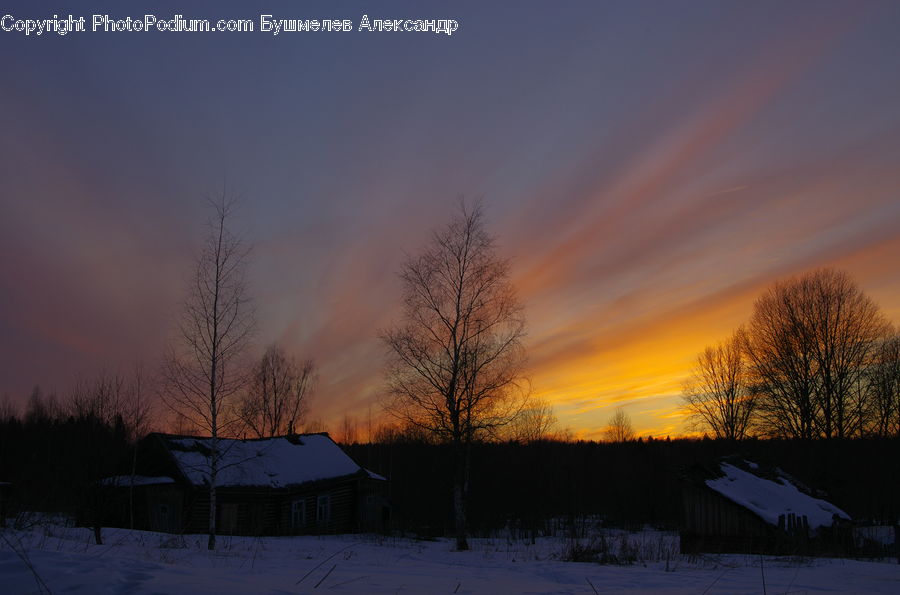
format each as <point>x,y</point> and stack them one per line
<point>649,172</point>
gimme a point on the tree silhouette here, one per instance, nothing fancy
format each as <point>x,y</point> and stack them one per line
<point>717,395</point>
<point>619,427</point>
<point>203,366</point>
<point>809,342</point>
<point>456,358</point>
<point>278,394</point>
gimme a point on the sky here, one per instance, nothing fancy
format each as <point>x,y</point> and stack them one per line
<point>648,167</point>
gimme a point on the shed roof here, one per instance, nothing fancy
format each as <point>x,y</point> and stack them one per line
<point>273,462</point>
<point>773,495</point>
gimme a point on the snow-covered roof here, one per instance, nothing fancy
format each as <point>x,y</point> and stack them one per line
<point>373,475</point>
<point>274,462</point>
<point>135,480</point>
<point>769,498</point>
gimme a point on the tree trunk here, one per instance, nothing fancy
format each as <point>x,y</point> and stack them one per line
<point>97,505</point>
<point>213,472</point>
<point>460,494</point>
<point>97,502</point>
<point>131,489</point>
<point>211,543</point>
<point>98,512</point>
<point>459,510</point>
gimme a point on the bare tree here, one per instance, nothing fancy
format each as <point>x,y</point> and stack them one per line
<point>848,326</point>
<point>456,359</point>
<point>101,399</point>
<point>884,387</point>
<point>619,427</point>
<point>203,366</point>
<point>315,426</point>
<point>8,409</point>
<point>138,413</point>
<point>809,341</point>
<point>41,408</point>
<point>717,396</point>
<point>114,398</point>
<point>109,409</point>
<point>534,422</point>
<point>278,394</point>
<point>388,433</point>
<point>349,432</point>
<point>783,368</point>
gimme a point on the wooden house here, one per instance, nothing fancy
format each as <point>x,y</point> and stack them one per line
<point>734,505</point>
<point>298,484</point>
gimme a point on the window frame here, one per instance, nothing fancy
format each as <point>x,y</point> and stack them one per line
<point>298,505</point>
<point>323,508</point>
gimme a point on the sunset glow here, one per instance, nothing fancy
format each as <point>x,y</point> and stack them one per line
<point>648,167</point>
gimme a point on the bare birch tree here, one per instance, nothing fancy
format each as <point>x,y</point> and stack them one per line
<point>203,365</point>
<point>456,358</point>
<point>278,394</point>
<point>717,396</point>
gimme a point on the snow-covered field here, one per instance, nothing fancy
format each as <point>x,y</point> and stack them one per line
<point>66,561</point>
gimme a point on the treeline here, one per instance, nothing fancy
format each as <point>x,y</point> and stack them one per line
<point>535,487</point>
<point>817,359</point>
<point>56,452</point>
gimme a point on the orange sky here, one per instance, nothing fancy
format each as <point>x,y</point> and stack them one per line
<point>648,167</point>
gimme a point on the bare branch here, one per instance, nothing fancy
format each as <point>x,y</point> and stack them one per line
<point>456,358</point>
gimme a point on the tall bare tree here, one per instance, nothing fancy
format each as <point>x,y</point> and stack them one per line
<point>809,342</point>
<point>717,396</point>
<point>456,358</point>
<point>278,394</point>
<point>203,366</point>
<point>98,406</point>
<point>138,415</point>
<point>884,387</point>
<point>619,427</point>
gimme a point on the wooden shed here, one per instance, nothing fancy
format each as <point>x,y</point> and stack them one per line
<point>735,505</point>
<point>298,484</point>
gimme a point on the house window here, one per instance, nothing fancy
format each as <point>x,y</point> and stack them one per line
<point>298,513</point>
<point>323,508</point>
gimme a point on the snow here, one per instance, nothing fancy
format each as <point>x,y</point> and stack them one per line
<point>137,562</point>
<point>880,534</point>
<point>768,499</point>
<point>373,475</point>
<point>135,480</point>
<point>276,463</point>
